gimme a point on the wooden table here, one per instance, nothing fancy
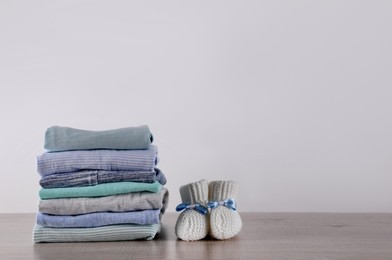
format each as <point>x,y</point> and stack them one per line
<point>264,236</point>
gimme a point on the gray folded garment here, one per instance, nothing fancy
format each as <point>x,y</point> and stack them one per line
<point>115,203</point>
<point>105,233</point>
<point>59,138</point>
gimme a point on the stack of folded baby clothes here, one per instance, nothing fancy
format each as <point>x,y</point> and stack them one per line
<point>99,186</point>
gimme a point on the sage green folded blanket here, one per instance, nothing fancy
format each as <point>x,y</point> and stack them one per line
<point>106,233</point>
<point>105,189</point>
<point>59,138</point>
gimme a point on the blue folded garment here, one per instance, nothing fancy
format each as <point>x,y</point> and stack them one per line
<point>94,177</point>
<point>109,160</point>
<point>59,138</point>
<point>98,219</point>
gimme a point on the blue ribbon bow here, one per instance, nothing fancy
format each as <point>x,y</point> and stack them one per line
<point>199,208</point>
<point>229,203</point>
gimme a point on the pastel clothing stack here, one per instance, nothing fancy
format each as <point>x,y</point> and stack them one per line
<point>99,186</point>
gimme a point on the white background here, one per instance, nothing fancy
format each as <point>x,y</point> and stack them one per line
<point>292,99</point>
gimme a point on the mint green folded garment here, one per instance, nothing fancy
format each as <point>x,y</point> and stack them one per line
<point>105,189</point>
<point>107,233</point>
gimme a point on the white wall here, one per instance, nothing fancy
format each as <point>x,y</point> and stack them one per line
<point>290,98</point>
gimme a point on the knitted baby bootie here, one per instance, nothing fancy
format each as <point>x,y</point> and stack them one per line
<point>192,224</point>
<point>225,222</point>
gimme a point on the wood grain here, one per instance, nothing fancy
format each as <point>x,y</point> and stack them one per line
<point>264,236</point>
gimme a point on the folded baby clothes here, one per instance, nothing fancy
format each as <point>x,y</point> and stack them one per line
<point>142,217</point>
<point>94,177</point>
<point>59,138</point>
<point>96,234</point>
<point>105,189</point>
<point>115,203</point>
<point>99,186</point>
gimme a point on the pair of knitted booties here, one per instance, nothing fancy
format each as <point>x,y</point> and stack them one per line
<point>195,222</point>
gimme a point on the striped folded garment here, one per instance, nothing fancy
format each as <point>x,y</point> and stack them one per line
<point>109,160</point>
<point>105,233</point>
<point>115,203</point>
<point>59,138</point>
<point>105,189</point>
<point>94,177</point>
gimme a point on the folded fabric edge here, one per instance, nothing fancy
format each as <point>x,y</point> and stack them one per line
<point>97,234</point>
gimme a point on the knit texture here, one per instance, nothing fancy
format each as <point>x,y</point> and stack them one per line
<point>105,233</point>
<point>191,225</point>
<point>225,223</point>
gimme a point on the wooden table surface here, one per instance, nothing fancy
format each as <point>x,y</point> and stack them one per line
<point>264,236</point>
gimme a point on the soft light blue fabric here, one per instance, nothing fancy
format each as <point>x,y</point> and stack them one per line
<point>143,217</point>
<point>59,138</point>
<point>94,177</point>
<point>109,160</point>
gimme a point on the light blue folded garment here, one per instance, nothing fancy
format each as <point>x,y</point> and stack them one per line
<point>106,233</point>
<point>143,217</point>
<point>59,138</point>
<point>110,160</point>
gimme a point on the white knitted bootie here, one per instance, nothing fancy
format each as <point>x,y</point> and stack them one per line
<point>192,224</point>
<point>225,222</point>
